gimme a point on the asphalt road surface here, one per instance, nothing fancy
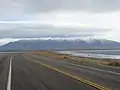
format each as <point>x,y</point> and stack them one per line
<point>22,72</point>
<point>17,73</point>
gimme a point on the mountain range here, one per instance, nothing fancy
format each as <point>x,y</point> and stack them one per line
<point>60,44</point>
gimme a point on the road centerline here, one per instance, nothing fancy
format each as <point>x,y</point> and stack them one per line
<point>9,75</point>
<point>85,81</point>
<point>97,69</point>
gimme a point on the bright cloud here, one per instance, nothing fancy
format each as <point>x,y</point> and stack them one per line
<point>109,20</point>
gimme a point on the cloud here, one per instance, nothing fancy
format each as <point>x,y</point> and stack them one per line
<point>32,18</point>
<point>109,20</point>
<point>32,30</point>
<point>17,8</point>
<point>33,6</point>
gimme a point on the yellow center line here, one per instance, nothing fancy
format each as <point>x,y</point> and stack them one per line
<point>90,83</point>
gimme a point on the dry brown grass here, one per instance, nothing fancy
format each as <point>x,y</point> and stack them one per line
<point>53,54</point>
<point>80,59</point>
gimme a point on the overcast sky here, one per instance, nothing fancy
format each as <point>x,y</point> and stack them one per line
<point>33,18</point>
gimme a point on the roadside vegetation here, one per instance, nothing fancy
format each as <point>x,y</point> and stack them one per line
<point>55,55</point>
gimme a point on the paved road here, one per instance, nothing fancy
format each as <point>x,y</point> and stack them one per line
<point>4,64</point>
<point>20,73</point>
<point>102,76</point>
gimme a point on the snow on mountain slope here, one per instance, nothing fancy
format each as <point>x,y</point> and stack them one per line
<point>60,43</point>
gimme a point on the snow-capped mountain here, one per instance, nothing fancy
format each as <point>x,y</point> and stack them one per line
<point>60,43</point>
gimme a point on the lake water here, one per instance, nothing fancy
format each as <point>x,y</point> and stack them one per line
<point>106,54</point>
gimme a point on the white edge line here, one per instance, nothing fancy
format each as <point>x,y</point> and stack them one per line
<point>9,75</point>
<point>92,68</point>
